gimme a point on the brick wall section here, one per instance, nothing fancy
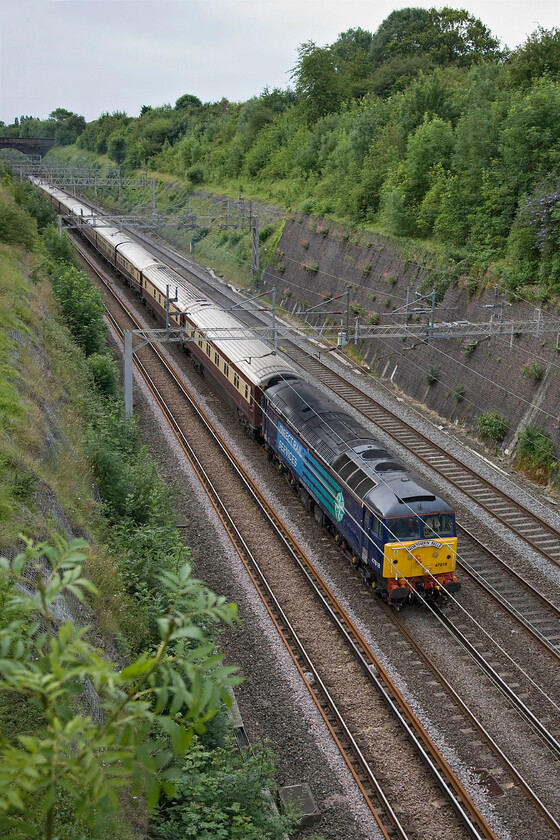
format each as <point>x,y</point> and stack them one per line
<point>377,278</point>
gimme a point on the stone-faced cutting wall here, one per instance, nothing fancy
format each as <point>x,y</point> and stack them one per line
<point>317,260</point>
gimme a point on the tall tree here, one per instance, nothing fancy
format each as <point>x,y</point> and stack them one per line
<point>317,83</point>
<point>399,34</point>
<point>539,56</point>
<point>449,36</point>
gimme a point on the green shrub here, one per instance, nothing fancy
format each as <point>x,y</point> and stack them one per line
<point>201,232</point>
<point>535,454</point>
<point>266,232</point>
<point>310,266</point>
<point>358,309</point>
<point>81,307</point>
<point>532,371</point>
<point>468,346</point>
<point>222,793</point>
<point>171,689</point>
<point>17,227</point>
<point>35,203</point>
<point>459,393</point>
<point>195,174</point>
<point>492,426</point>
<point>432,375</point>
<point>58,245</point>
<point>105,373</point>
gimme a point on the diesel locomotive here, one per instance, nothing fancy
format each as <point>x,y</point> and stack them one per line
<point>390,523</point>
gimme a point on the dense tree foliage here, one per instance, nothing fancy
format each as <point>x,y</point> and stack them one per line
<point>149,711</point>
<point>423,128</point>
<point>62,125</point>
<point>451,36</point>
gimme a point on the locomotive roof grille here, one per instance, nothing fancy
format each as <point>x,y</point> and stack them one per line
<point>389,466</point>
<point>341,462</point>
<point>361,484</point>
<point>374,454</point>
<point>407,499</point>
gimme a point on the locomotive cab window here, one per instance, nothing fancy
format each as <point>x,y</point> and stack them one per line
<point>375,524</point>
<point>438,525</point>
<point>405,528</point>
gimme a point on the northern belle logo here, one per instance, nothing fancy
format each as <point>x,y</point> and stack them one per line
<point>320,483</point>
<point>339,506</point>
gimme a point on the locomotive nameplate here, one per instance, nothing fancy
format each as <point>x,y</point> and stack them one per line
<point>425,544</point>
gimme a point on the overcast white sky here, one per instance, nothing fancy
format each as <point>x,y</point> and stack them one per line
<point>92,56</point>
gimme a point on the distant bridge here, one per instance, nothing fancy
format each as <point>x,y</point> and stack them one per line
<point>28,145</point>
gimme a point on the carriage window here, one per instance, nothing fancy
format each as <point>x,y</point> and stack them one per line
<point>226,370</point>
<point>216,359</point>
<point>438,525</point>
<point>246,392</point>
<point>236,380</point>
<point>407,528</point>
<point>208,349</point>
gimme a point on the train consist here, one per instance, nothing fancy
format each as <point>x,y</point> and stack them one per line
<point>387,520</point>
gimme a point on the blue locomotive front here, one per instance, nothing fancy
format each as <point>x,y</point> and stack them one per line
<point>390,524</point>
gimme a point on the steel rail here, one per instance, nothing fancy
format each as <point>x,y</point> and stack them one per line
<point>448,782</point>
<point>536,725</point>
<point>474,720</point>
<point>494,592</point>
<point>351,753</point>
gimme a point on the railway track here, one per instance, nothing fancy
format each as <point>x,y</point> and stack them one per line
<point>472,719</point>
<point>522,601</point>
<point>418,756</point>
<point>543,627</point>
<point>530,607</point>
